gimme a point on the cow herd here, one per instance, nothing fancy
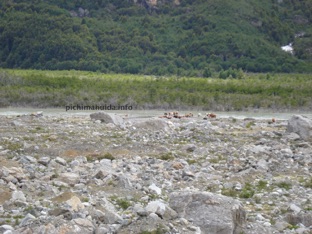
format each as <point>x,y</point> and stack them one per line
<point>176,115</point>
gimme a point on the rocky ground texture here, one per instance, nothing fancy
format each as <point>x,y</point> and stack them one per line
<point>111,174</point>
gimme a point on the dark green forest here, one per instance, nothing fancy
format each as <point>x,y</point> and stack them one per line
<point>173,37</point>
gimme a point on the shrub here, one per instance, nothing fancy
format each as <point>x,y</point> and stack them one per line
<point>285,185</point>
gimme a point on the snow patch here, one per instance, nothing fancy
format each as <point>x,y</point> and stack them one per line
<point>288,48</point>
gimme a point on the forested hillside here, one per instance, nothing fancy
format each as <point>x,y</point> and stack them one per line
<point>181,37</point>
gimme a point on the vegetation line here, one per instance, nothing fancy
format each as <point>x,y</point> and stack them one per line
<point>38,88</point>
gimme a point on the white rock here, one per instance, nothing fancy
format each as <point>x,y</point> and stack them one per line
<point>157,207</point>
<point>6,227</point>
<point>75,203</point>
<point>294,208</point>
<point>153,188</point>
<point>60,161</point>
<point>70,178</point>
<point>18,196</point>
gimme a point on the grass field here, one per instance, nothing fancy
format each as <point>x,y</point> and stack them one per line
<point>37,88</point>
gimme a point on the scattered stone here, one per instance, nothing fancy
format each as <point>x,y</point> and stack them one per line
<point>59,178</point>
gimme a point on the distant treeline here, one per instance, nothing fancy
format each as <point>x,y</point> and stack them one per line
<point>194,38</point>
<point>29,88</point>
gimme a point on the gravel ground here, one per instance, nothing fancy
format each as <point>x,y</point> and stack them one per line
<point>74,174</point>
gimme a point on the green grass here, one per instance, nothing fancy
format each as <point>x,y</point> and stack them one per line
<point>250,124</point>
<point>167,156</point>
<point>121,202</point>
<point>12,146</point>
<point>262,184</point>
<point>157,231</point>
<point>229,192</point>
<point>247,191</point>
<point>308,183</point>
<point>93,157</point>
<point>285,185</point>
<point>60,88</point>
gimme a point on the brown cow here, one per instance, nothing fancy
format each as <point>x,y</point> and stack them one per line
<point>188,115</point>
<point>212,115</point>
<point>272,121</point>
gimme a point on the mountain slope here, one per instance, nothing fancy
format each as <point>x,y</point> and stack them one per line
<point>156,37</point>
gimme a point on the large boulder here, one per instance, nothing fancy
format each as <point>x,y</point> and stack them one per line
<point>108,118</point>
<point>301,125</point>
<point>214,214</point>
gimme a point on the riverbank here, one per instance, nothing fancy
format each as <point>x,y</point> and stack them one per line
<point>71,173</point>
<point>198,114</point>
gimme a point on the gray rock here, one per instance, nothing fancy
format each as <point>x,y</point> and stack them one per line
<point>108,118</point>
<point>31,159</point>
<point>75,203</point>
<point>5,227</point>
<point>186,173</point>
<point>294,208</point>
<point>8,232</point>
<point>301,125</point>
<point>137,208</point>
<point>281,225</point>
<point>28,219</point>
<point>48,228</point>
<point>61,161</point>
<point>70,178</point>
<point>154,189</point>
<point>101,174</point>
<point>124,182</point>
<point>77,226</point>
<point>293,136</point>
<point>111,217</point>
<point>304,218</point>
<point>58,211</point>
<point>18,196</point>
<point>83,222</point>
<point>16,123</point>
<point>102,229</point>
<point>157,207</point>
<point>262,165</point>
<point>212,213</point>
<point>44,160</point>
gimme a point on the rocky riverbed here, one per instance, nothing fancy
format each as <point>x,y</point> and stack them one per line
<point>114,174</point>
